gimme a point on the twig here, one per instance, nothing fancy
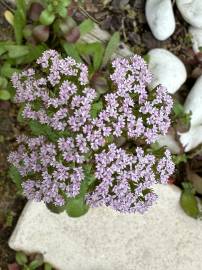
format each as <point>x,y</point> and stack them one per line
<point>7,6</point>
<point>123,30</point>
<point>84,12</point>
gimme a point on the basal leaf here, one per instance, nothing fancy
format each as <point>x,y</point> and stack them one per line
<point>5,95</point>
<point>33,53</point>
<point>70,50</point>
<point>21,258</point>
<point>35,264</point>
<point>189,204</point>
<point>96,108</point>
<point>15,51</point>
<point>42,129</point>
<point>4,46</point>
<point>56,209</point>
<point>15,176</point>
<point>3,82</point>
<point>86,26</point>
<point>19,20</point>
<point>111,48</point>
<point>76,207</point>
<point>94,50</point>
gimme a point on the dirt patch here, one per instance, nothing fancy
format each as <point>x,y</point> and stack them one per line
<point>11,203</point>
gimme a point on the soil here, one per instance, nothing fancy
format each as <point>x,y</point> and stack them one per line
<point>124,16</point>
<point>11,203</point>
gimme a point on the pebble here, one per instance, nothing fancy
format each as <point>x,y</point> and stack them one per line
<point>192,138</point>
<point>169,141</point>
<point>193,103</point>
<point>196,36</point>
<point>160,18</point>
<point>163,238</point>
<point>191,11</point>
<point>167,69</point>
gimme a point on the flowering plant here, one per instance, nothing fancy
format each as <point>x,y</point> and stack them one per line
<point>88,149</point>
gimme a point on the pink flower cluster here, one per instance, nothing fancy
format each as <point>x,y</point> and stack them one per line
<point>57,94</point>
<point>125,180</point>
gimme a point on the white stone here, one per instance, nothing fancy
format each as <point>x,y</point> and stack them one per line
<point>163,238</point>
<point>196,36</point>
<point>193,103</point>
<point>99,35</point>
<point>191,11</point>
<point>160,17</point>
<point>169,141</point>
<point>167,69</point>
<point>192,138</point>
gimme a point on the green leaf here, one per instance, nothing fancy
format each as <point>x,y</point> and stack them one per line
<point>179,158</point>
<point>188,187</point>
<point>35,264</point>
<point>96,108</point>
<point>33,54</point>
<point>180,114</point>
<point>146,58</point>
<point>19,20</point>
<point>21,258</point>
<point>70,50</point>
<point>94,50</point>
<point>7,71</point>
<point>111,48</point>
<point>189,204</point>
<point>3,46</point>
<point>15,176</point>
<point>76,207</point>
<point>5,95</point>
<point>61,9</point>
<point>86,26</point>
<point>62,12</point>
<point>9,218</point>
<point>178,109</point>
<point>47,266</point>
<point>20,117</point>
<point>46,17</point>
<point>42,129</point>
<point>15,51</point>
<point>65,3</point>
<point>3,82</point>
<point>56,209</point>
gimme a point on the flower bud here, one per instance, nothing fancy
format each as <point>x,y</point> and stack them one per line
<point>41,33</point>
<point>73,35</point>
<point>35,11</point>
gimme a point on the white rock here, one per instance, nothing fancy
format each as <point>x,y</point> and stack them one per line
<point>193,103</point>
<point>191,11</point>
<point>192,138</point>
<point>163,238</point>
<point>160,18</point>
<point>167,69</point>
<point>196,35</point>
<point>169,141</point>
